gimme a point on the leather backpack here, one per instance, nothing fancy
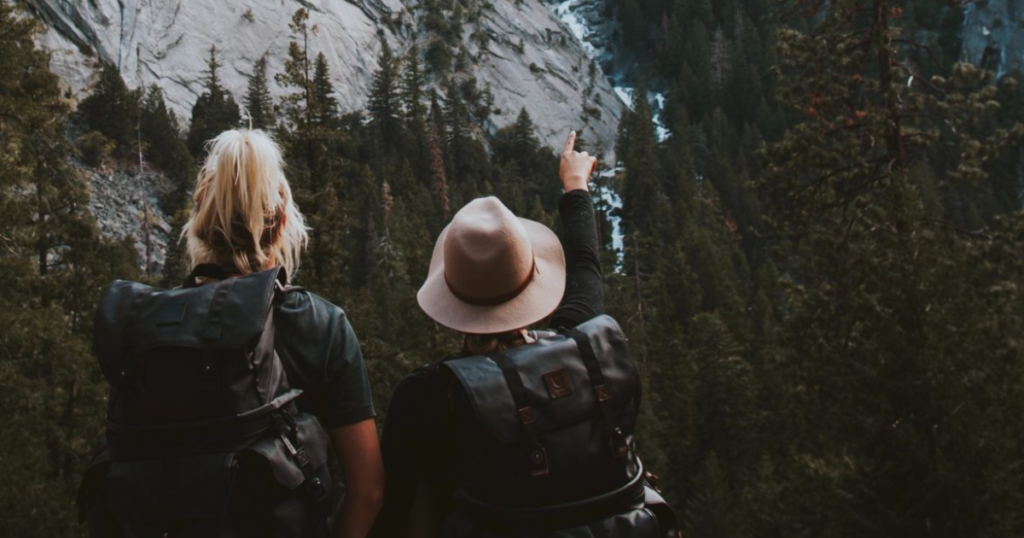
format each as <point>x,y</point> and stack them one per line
<point>547,438</point>
<point>202,434</point>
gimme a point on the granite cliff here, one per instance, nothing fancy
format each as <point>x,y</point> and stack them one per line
<point>531,60</point>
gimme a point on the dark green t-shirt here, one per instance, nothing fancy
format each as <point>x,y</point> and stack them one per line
<point>321,355</point>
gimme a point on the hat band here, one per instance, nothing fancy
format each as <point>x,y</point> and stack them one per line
<point>492,301</point>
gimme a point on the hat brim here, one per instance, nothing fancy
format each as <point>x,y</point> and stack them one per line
<point>537,300</point>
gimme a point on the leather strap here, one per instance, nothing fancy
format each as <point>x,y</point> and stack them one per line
<point>225,434</point>
<point>602,393</point>
<point>289,434</point>
<point>126,376</point>
<point>210,373</point>
<point>205,270</point>
<point>538,455</point>
<point>559,515</point>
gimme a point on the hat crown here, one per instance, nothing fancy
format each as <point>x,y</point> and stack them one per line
<point>487,253</point>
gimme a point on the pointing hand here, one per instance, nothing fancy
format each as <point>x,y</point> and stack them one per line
<point>576,167</point>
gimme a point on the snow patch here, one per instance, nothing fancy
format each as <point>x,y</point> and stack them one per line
<point>609,200</point>
<point>657,104</point>
<point>566,13</point>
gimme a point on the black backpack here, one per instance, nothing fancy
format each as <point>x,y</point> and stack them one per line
<point>548,440</point>
<point>202,437</point>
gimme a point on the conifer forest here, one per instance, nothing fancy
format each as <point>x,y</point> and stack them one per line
<point>818,256</point>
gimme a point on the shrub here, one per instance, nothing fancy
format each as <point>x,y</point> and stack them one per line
<point>94,148</point>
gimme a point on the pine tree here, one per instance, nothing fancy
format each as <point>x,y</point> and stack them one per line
<point>385,103</point>
<point>438,171</point>
<point>412,87</point>
<point>258,102</point>
<point>877,279</point>
<point>55,265</point>
<point>439,177</point>
<point>112,109</point>
<point>637,149</point>
<point>298,105</point>
<point>517,148</point>
<point>326,106</point>
<point>458,139</point>
<point>214,112</point>
<point>161,134</point>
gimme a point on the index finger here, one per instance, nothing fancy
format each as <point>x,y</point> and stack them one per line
<point>570,142</point>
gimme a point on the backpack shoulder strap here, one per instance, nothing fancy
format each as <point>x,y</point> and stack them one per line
<point>527,416</point>
<point>613,429</point>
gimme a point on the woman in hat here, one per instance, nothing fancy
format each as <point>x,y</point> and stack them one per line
<point>491,276</point>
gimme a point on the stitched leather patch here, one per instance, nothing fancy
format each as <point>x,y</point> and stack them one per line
<point>558,383</point>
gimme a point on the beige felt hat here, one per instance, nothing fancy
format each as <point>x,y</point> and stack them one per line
<point>492,272</point>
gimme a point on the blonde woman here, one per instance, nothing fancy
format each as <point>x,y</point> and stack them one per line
<point>245,220</point>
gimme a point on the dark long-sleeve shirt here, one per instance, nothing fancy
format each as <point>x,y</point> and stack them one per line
<point>420,440</point>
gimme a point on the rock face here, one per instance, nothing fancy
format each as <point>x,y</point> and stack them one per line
<point>532,60</point>
<point>122,200</point>
<point>993,35</point>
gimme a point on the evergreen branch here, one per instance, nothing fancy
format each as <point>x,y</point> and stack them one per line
<point>834,130</point>
<point>822,179</point>
<point>973,234</point>
<point>926,48</point>
<point>7,243</point>
<point>16,119</point>
<point>847,37</point>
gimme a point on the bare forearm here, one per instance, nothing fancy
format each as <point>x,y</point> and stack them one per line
<point>358,512</point>
<point>359,455</point>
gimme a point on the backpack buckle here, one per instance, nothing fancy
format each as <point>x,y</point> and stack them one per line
<point>620,445</point>
<point>539,459</point>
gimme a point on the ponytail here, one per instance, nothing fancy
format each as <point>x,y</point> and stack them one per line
<point>244,216</point>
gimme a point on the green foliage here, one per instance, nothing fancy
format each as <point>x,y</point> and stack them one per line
<point>815,269</point>
<point>384,107</point>
<point>214,112</point>
<point>821,277</point>
<point>113,110</point>
<point>164,147</point>
<point>258,103</point>
<point>326,109</point>
<point>54,265</point>
<point>94,148</point>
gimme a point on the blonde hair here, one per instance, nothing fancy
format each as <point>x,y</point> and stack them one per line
<point>243,215</point>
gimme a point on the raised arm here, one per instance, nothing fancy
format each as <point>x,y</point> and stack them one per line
<point>584,297</point>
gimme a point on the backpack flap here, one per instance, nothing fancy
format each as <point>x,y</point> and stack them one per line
<point>549,423</point>
<point>189,354</point>
<point>109,326</point>
<point>134,318</point>
<point>556,380</point>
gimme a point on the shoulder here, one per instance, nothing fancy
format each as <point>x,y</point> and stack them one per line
<point>425,389</point>
<point>315,331</point>
<point>422,383</point>
<point>307,310</point>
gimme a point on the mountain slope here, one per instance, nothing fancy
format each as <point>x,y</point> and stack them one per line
<point>531,59</point>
